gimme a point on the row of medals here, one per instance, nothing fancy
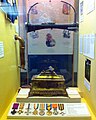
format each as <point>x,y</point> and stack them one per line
<point>41,108</point>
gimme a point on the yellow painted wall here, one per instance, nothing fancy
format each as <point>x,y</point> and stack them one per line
<point>9,72</point>
<point>88,26</point>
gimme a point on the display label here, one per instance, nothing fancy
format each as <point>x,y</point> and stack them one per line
<point>1,49</point>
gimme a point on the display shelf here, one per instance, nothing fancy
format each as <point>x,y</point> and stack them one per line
<point>73,97</point>
<point>6,114</point>
<point>37,110</point>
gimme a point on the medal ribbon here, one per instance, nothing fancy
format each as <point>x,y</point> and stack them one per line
<point>36,105</point>
<point>42,106</point>
<point>61,106</point>
<point>48,106</point>
<point>54,105</point>
<point>21,106</point>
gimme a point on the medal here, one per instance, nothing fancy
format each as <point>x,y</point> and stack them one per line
<point>35,112</point>
<point>54,106</point>
<point>42,108</point>
<point>20,111</point>
<point>62,113</point>
<point>13,112</point>
<point>61,108</point>
<point>49,107</point>
<point>55,112</point>
<point>15,107</point>
<point>41,112</point>
<point>20,108</point>
<point>27,112</point>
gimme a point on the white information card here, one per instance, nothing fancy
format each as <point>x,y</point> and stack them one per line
<point>1,49</point>
<point>89,45</point>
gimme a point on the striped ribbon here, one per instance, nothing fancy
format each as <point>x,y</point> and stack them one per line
<point>36,105</point>
<point>42,106</point>
<point>21,106</point>
<point>48,106</point>
<point>61,106</point>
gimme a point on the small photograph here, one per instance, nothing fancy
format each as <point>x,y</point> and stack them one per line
<point>50,42</point>
<point>34,35</point>
<point>66,34</point>
<point>66,9</point>
<point>34,10</point>
<point>87,69</point>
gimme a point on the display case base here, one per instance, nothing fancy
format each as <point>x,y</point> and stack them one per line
<point>73,97</point>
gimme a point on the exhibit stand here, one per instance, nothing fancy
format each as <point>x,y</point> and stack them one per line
<point>66,108</point>
<point>73,97</point>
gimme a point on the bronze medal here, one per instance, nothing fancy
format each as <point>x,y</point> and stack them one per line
<point>49,107</point>
<point>20,111</point>
<point>42,108</point>
<point>41,112</point>
<point>49,113</point>
<point>20,108</point>
<point>35,112</point>
<point>62,113</point>
<point>61,108</point>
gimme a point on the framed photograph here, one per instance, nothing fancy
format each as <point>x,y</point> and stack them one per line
<point>87,74</point>
<point>87,69</point>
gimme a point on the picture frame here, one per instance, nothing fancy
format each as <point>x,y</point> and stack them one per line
<point>87,69</point>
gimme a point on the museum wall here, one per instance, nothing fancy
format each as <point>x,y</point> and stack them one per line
<point>87,27</point>
<point>9,71</point>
